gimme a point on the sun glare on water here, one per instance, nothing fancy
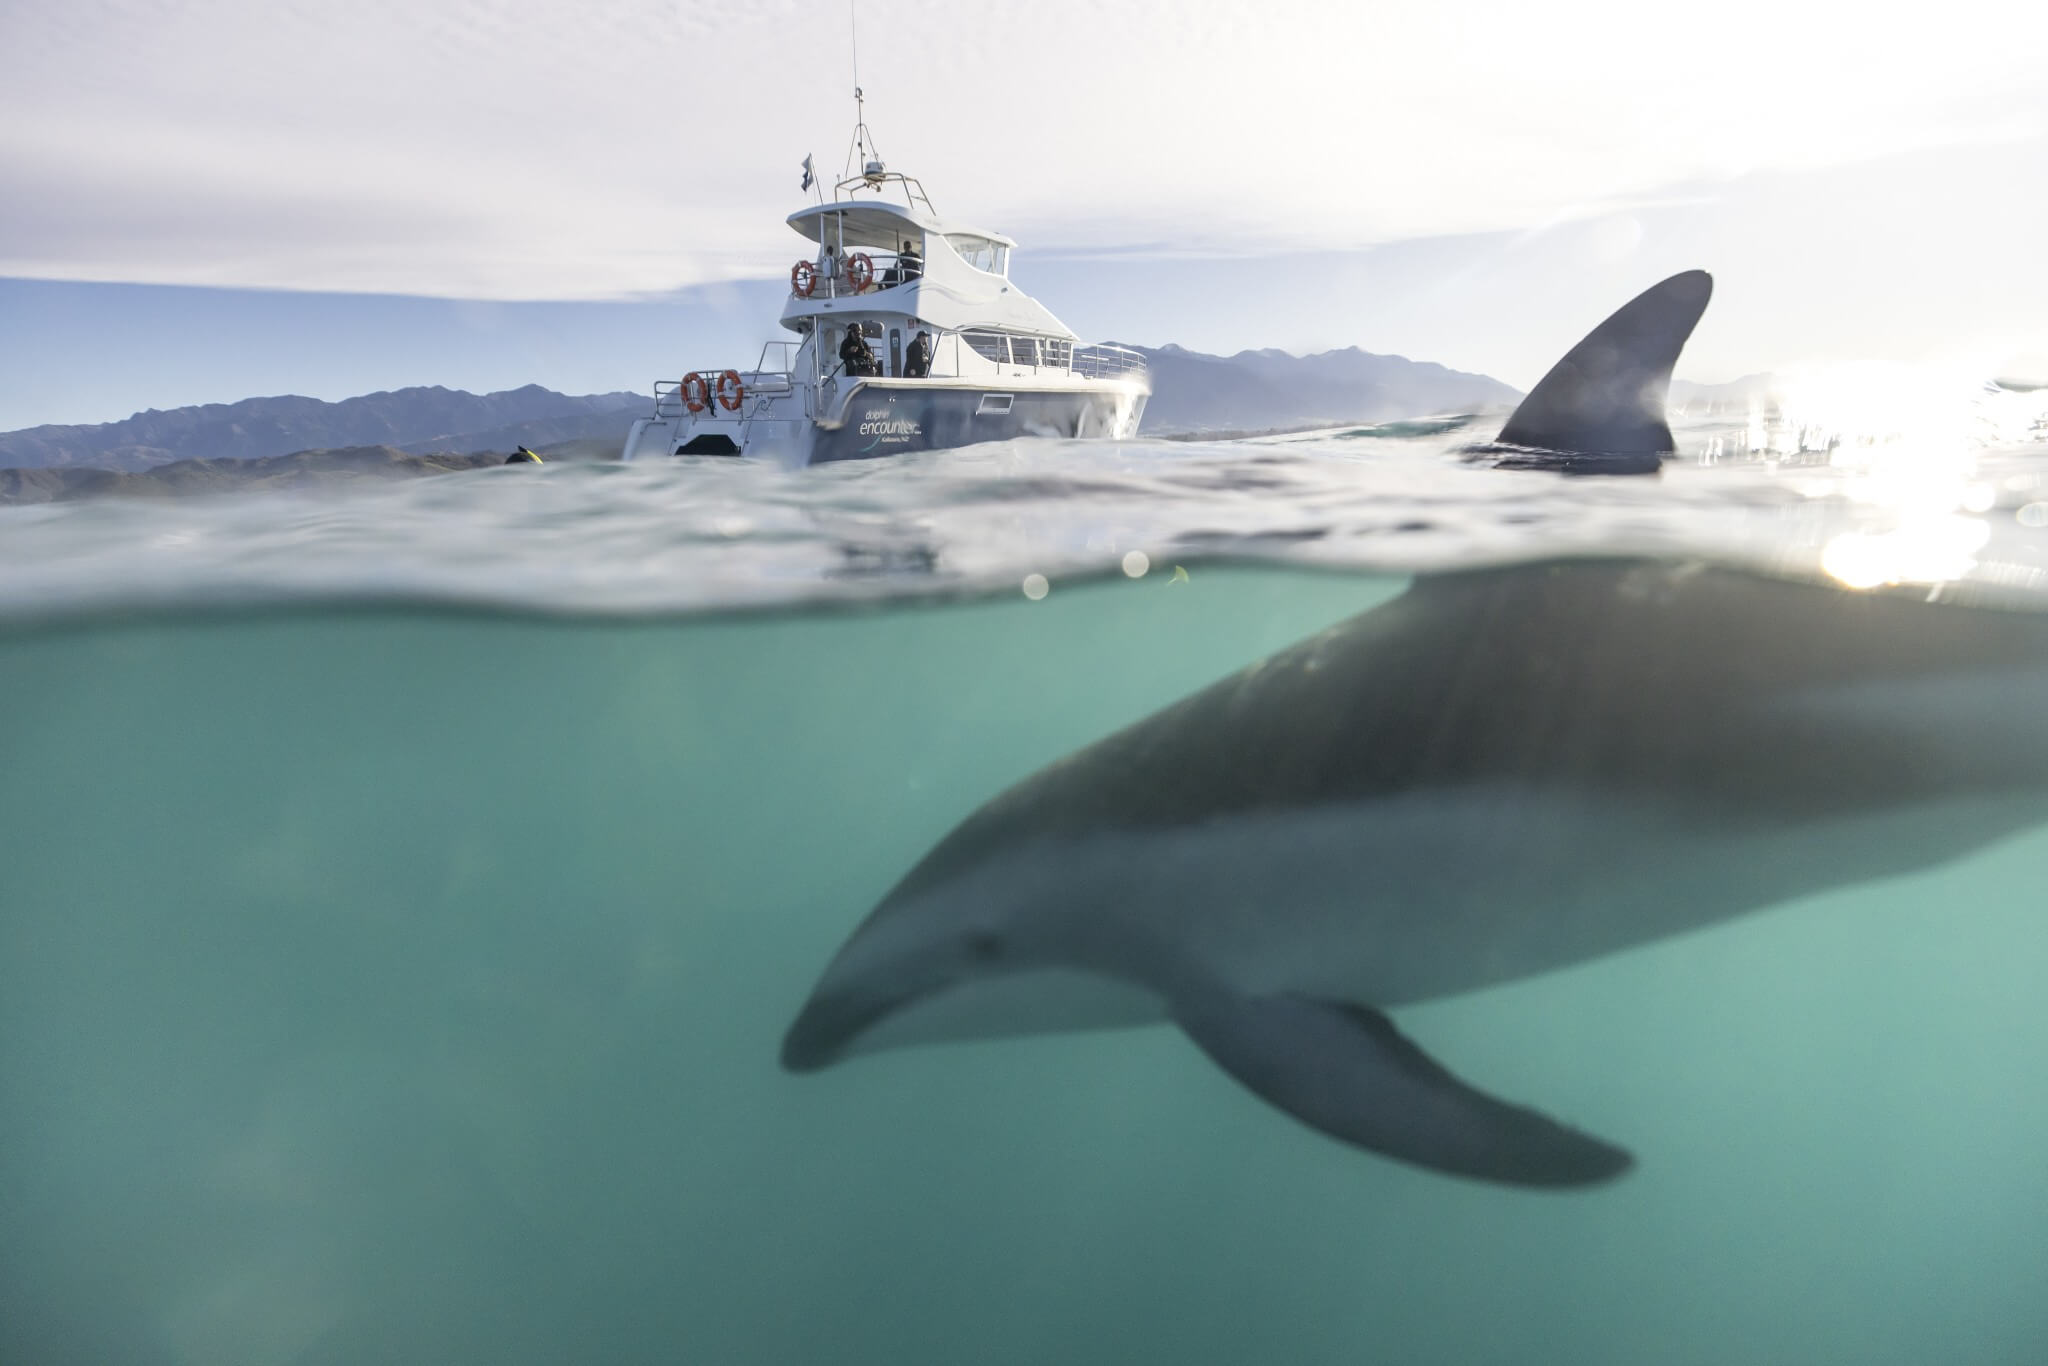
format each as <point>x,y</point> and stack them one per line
<point>1905,443</point>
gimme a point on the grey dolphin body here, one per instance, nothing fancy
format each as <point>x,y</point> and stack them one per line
<point>1499,773</point>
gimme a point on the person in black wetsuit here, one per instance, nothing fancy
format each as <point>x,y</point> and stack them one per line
<point>854,354</point>
<point>917,362</point>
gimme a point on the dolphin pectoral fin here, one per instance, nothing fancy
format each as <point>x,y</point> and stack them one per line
<point>1345,1069</point>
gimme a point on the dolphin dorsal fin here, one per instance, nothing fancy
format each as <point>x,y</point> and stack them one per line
<point>1607,396</point>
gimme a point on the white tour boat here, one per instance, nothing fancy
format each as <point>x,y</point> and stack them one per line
<point>993,363</point>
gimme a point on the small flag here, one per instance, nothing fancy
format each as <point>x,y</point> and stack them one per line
<point>808,177</point>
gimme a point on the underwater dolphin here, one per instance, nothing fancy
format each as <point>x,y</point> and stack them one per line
<point>1498,773</point>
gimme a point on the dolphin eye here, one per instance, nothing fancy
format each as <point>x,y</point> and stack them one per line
<point>984,946</point>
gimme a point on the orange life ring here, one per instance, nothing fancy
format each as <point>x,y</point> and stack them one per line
<point>860,271</point>
<point>696,393</point>
<point>730,381</point>
<point>803,278</point>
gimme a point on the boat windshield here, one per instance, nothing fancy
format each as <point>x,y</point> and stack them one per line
<point>981,253</point>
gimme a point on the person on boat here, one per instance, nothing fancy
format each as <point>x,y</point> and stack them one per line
<point>917,362</point>
<point>911,262</point>
<point>854,354</point>
<point>828,262</point>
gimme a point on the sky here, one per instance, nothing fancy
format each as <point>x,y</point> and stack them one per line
<point>207,200</point>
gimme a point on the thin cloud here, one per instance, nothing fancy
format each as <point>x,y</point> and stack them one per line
<point>492,150</point>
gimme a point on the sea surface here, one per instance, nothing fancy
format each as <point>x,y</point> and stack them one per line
<point>404,893</point>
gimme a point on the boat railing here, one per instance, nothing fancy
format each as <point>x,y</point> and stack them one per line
<point>783,353</point>
<point>1014,351</point>
<point>755,384</point>
<point>891,269</point>
<point>1104,361</point>
<point>878,178</point>
<point>1018,351</point>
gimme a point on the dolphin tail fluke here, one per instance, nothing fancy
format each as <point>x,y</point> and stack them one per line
<point>1345,1070</point>
<point>1607,396</point>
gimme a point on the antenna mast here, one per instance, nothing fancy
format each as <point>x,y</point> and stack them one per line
<point>862,153</point>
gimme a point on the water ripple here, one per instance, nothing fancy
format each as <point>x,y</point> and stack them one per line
<point>716,535</point>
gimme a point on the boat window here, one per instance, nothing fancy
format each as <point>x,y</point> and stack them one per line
<point>1025,349</point>
<point>979,252</point>
<point>1002,259</point>
<point>988,345</point>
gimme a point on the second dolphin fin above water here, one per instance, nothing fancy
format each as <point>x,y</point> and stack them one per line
<point>1601,408</point>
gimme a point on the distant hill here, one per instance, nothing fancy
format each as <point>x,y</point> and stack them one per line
<point>1736,396</point>
<point>601,431</point>
<point>1265,390</point>
<point>299,471</point>
<point>418,420</point>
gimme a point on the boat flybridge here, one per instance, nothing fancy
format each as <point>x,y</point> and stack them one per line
<point>949,351</point>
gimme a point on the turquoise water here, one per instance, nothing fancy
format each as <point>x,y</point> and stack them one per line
<point>384,979</point>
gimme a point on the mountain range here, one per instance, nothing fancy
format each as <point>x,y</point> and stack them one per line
<point>1191,393</point>
<point>1266,390</point>
<point>300,471</point>
<point>1734,397</point>
<point>419,420</point>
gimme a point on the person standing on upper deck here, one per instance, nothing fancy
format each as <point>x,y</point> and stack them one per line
<point>912,262</point>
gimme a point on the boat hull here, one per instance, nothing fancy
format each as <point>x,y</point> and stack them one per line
<point>894,419</point>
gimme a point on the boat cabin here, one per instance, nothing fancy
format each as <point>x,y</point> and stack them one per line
<point>945,331</point>
<point>894,269</point>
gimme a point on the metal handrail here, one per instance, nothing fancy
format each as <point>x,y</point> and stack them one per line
<point>1039,352</point>
<point>838,286</point>
<point>754,385</point>
<point>913,191</point>
<point>1025,350</point>
<point>1104,361</point>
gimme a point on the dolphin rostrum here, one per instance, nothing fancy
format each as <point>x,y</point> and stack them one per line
<point>1500,772</point>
